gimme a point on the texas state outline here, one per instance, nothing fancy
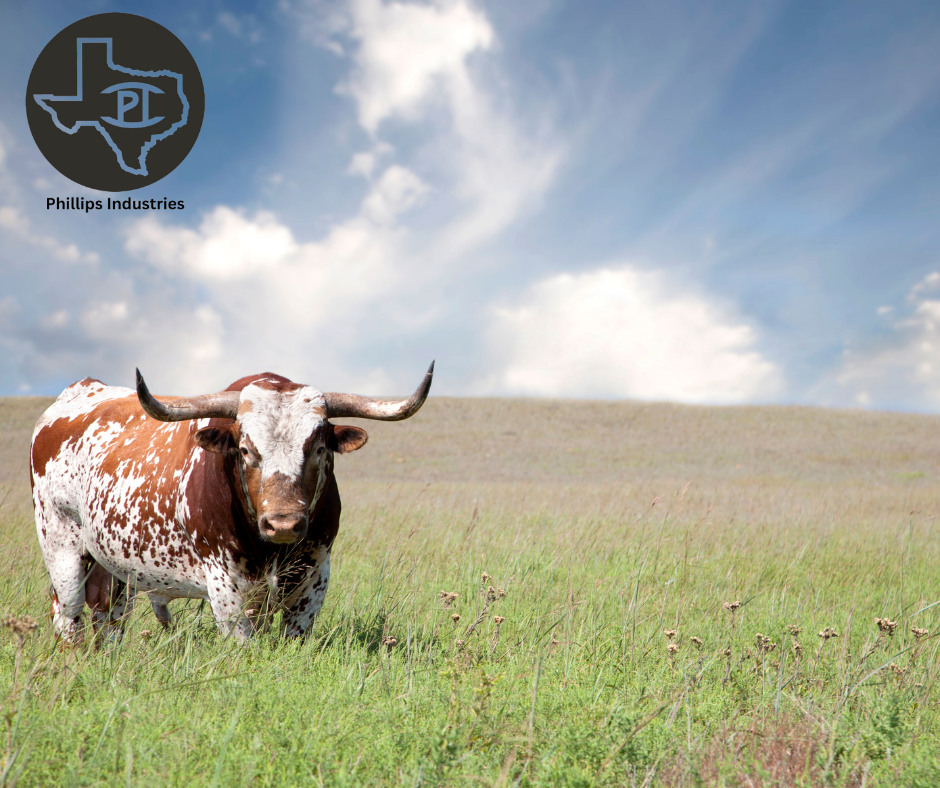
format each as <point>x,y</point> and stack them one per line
<point>142,160</point>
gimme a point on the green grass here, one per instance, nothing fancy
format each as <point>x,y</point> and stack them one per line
<point>606,525</point>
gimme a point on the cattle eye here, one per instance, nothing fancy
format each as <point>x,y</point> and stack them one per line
<point>244,451</point>
<point>319,450</point>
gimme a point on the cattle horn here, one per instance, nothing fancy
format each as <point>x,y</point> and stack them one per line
<point>352,405</point>
<point>223,405</point>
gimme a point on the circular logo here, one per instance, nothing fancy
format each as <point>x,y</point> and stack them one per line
<point>115,102</point>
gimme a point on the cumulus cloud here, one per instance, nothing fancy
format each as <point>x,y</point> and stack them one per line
<point>278,302</point>
<point>903,369</point>
<point>274,293</point>
<point>624,332</point>
<point>256,258</point>
<point>226,246</point>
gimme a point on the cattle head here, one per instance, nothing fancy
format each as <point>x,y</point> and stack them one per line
<point>281,441</point>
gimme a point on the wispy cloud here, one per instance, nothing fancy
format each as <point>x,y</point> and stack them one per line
<point>408,54</point>
<point>902,369</point>
<point>15,222</point>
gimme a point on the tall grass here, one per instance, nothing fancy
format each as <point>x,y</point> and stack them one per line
<point>678,622</point>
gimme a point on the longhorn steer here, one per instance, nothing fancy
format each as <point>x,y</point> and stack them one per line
<point>221,497</point>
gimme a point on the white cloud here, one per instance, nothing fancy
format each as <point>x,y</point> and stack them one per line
<point>57,319</point>
<point>227,246</point>
<point>928,284</point>
<point>405,49</point>
<point>12,219</point>
<point>178,347</point>
<point>244,26</point>
<point>903,370</point>
<point>397,190</point>
<point>240,287</point>
<point>16,222</point>
<point>365,162</point>
<point>256,258</point>
<point>273,293</point>
<point>230,23</point>
<point>623,332</point>
<point>411,62</point>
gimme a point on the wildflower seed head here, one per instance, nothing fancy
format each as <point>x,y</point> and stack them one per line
<point>697,641</point>
<point>486,578</point>
<point>20,626</point>
<point>885,625</point>
<point>727,652</point>
<point>670,633</point>
<point>447,598</point>
<point>389,642</point>
<point>794,630</point>
<point>765,644</point>
<point>827,633</point>
<point>919,632</point>
<point>732,606</point>
<point>498,620</point>
<point>460,643</point>
<point>672,648</point>
<point>491,594</point>
<point>500,593</point>
<point>455,617</point>
<point>146,634</point>
<point>797,649</point>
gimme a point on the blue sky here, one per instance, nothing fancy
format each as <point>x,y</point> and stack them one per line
<point>701,202</point>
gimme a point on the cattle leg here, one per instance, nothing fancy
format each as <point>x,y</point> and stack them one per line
<point>160,609</point>
<point>228,605</point>
<point>59,540</point>
<point>304,602</point>
<point>109,601</point>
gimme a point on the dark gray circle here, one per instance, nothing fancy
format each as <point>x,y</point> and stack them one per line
<point>134,116</point>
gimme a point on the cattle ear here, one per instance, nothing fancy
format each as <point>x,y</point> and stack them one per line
<point>346,439</point>
<point>220,441</point>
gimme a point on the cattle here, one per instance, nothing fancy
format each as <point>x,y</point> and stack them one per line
<point>227,497</point>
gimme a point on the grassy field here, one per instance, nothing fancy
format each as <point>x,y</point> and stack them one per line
<point>685,596</point>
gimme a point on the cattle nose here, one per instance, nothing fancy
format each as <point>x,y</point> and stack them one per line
<point>284,528</point>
